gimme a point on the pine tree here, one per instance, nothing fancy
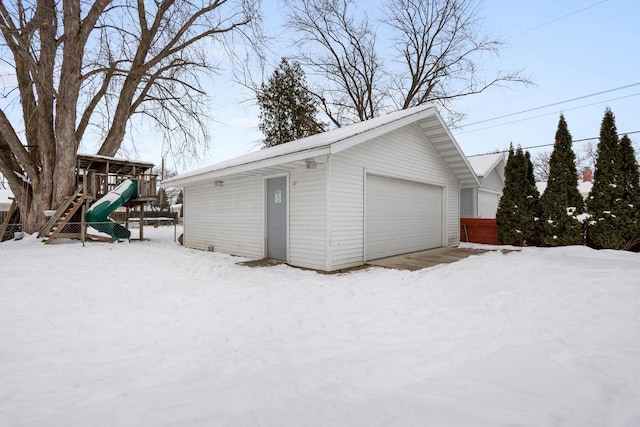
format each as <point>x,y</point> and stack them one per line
<point>630,202</point>
<point>517,214</point>
<point>532,220</point>
<point>561,202</point>
<point>605,228</point>
<point>505,215</point>
<point>287,109</point>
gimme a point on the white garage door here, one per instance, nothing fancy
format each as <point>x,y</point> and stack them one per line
<point>401,217</point>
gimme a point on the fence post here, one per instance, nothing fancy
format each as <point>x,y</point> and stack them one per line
<point>83,224</point>
<point>141,223</point>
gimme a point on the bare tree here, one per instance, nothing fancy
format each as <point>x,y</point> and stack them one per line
<point>586,157</point>
<point>342,50</point>
<point>541,167</point>
<point>438,45</point>
<point>82,65</point>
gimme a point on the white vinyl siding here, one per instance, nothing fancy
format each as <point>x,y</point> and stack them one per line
<point>229,218</point>
<point>467,204</point>
<point>307,213</point>
<point>487,204</point>
<point>492,182</point>
<point>403,153</point>
<point>401,217</point>
<point>489,195</point>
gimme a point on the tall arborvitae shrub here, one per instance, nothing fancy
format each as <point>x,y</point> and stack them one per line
<point>561,202</point>
<point>606,227</point>
<point>630,202</point>
<point>505,218</point>
<point>505,215</point>
<point>517,214</point>
<point>533,198</point>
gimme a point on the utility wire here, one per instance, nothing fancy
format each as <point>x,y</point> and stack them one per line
<point>549,114</point>
<point>550,145</point>
<point>552,104</point>
<point>555,20</point>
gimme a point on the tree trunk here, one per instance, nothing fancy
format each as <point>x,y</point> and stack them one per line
<point>46,42</point>
<point>32,202</point>
<point>34,218</point>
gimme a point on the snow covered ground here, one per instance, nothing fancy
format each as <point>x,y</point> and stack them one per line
<point>153,334</point>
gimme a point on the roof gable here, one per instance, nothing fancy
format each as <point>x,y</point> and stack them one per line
<point>340,139</point>
<point>484,164</point>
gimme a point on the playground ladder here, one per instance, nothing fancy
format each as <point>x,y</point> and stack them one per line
<point>13,217</point>
<point>55,226</point>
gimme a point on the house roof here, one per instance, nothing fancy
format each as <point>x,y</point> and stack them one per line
<point>484,164</point>
<point>584,187</point>
<point>336,140</point>
<point>5,197</point>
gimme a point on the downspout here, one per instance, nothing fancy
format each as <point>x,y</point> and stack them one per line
<point>328,261</point>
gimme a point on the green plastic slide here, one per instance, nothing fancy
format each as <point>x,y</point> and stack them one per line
<point>98,214</point>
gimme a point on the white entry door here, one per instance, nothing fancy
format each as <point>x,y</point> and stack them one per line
<point>401,217</point>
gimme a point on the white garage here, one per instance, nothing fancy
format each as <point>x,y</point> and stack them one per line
<point>401,216</point>
<point>382,187</point>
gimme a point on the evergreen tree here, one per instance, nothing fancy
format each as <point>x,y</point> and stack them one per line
<point>532,231</point>
<point>630,202</point>
<point>517,214</point>
<point>561,202</point>
<point>287,109</point>
<point>605,228</point>
<point>630,174</point>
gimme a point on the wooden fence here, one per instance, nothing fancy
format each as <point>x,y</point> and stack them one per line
<point>479,230</point>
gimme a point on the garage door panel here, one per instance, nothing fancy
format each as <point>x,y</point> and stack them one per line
<point>402,216</point>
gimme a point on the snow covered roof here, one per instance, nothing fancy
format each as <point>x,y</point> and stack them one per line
<point>5,197</point>
<point>336,140</point>
<point>584,187</point>
<point>484,164</point>
<point>116,165</point>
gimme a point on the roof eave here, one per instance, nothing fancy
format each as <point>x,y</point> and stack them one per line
<point>245,167</point>
<point>465,175</point>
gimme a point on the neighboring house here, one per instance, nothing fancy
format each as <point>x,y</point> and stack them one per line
<point>584,185</point>
<point>482,202</point>
<point>6,198</point>
<point>387,186</point>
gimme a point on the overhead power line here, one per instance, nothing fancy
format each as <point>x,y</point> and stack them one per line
<point>549,114</point>
<point>549,145</point>
<point>555,20</point>
<point>552,104</point>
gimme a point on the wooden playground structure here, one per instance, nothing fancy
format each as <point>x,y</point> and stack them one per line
<point>96,177</point>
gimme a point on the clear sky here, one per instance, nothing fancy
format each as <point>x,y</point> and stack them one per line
<point>569,48</point>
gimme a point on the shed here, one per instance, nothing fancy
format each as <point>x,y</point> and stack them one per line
<point>6,198</point>
<point>482,202</point>
<point>386,186</point>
